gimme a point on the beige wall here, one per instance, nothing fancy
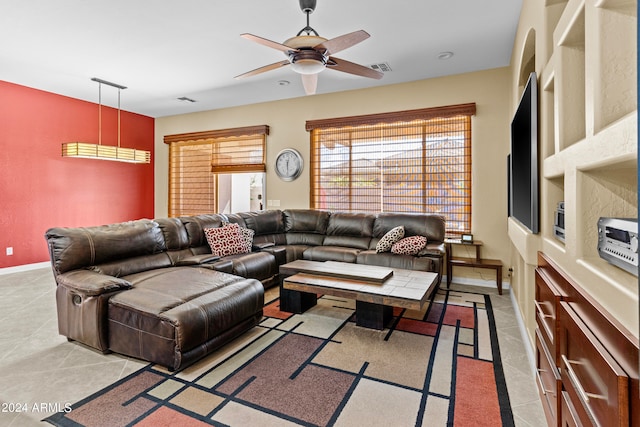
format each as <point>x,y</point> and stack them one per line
<point>584,52</point>
<point>286,120</point>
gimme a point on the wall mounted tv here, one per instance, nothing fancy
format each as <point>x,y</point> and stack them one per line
<point>524,199</point>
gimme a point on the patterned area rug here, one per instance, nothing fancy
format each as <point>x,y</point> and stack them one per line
<point>437,367</point>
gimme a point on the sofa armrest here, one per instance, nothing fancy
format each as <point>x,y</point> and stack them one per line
<point>261,246</point>
<point>197,260</point>
<point>433,249</point>
<point>280,252</point>
<point>91,283</point>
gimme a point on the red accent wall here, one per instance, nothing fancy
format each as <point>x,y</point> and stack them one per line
<point>39,189</point>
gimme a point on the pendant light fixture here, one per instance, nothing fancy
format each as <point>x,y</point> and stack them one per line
<point>87,150</point>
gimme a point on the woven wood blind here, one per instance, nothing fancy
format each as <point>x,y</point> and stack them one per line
<point>196,160</point>
<point>390,164</point>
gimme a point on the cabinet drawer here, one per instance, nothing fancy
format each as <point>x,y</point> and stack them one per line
<point>548,379</point>
<point>595,384</point>
<point>569,415</point>
<point>548,298</point>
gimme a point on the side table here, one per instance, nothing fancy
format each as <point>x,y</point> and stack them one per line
<point>477,261</point>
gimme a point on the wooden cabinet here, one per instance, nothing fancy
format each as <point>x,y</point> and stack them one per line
<point>548,379</point>
<point>592,378</point>
<point>587,363</point>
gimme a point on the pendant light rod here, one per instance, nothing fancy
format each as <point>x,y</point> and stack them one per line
<point>95,79</point>
<point>118,117</point>
<point>99,111</point>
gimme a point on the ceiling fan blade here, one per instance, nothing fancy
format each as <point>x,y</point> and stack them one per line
<point>310,83</point>
<point>266,42</point>
<point>339,43</point>
<point>263,69</point>
<point>352,68</point>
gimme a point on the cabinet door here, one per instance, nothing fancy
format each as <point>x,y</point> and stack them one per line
<point>595,384</point>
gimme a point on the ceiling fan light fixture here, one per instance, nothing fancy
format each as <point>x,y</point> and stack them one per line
<point>308,66</point>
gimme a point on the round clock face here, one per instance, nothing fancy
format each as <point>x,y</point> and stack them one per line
<point>288,164</point>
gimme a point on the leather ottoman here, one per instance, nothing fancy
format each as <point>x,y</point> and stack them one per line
<point>174,316</point>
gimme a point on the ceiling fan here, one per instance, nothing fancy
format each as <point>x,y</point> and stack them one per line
<point>309,54</point>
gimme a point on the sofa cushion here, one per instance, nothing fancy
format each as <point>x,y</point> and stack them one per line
<point>350,224</point>
<point>255,265</point>
<point>195,226</point>
<point>73,248</point>
<point>387,241</point>
<point>264,222</point>
<point>355,242</point>
<point>175,234</point>
<point>331,253</point>
<point>409,245</point>
<point>307,239</point>
<point>229,240</point>
<point>349,229</point>
<point>431,226</point>
<point>234,218</point>
<point>388,259</point>
<point>306,221</point>
<point>268,226</point>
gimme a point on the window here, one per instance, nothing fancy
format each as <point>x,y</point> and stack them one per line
<point>216,171</point>
<point>408,161</point>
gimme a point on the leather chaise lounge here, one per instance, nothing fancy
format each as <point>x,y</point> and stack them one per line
<point>119,290</point>
<point>152,289</point>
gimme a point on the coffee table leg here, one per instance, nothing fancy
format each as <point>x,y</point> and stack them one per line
<point>296,301</point>
<point>375,316</point>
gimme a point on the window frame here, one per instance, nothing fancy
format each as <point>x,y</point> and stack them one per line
<point>434,117</point>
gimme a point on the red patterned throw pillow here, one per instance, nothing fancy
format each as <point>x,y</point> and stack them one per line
<point>230,239</point>
<point>409,245</point>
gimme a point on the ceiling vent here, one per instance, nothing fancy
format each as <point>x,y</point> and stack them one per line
<point>185,99</point>
<point>383,67</point>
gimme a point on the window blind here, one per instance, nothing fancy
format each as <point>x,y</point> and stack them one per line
<point>195,160</point>
<point>410,161</point>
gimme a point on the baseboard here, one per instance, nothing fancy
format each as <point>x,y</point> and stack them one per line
<point>523,334</point>
<point>25,267</point>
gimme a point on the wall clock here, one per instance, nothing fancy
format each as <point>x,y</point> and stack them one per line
<point>289,164</point>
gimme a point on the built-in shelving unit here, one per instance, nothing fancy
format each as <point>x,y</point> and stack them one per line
<point>585,54</point>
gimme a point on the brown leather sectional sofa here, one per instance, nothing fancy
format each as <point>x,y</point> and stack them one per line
<point>151,289</point>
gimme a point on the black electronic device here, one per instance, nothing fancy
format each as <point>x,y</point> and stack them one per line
<point>558,222</point>
<point>524,196</point>
<point>618,242</point>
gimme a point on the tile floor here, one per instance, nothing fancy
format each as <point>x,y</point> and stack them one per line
<point>40,371</point>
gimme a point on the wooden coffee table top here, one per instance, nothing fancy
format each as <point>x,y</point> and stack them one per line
<point>404,288</point>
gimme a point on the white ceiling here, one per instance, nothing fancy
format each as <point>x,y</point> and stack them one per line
<point>165,49</point>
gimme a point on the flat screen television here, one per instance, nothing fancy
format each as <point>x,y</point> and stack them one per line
<point>524,198</point>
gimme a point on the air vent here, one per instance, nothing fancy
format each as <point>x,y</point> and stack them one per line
<point>185,99</point>
<point>383,67</point>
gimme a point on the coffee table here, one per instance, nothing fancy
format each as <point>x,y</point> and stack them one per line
<point>375,289</point>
